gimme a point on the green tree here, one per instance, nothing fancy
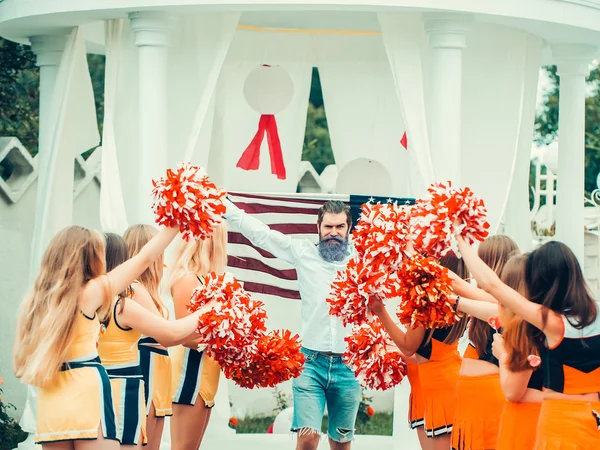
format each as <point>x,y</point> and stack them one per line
<point>546,124</point>
<point>19,93</point>
<point>317,145</point>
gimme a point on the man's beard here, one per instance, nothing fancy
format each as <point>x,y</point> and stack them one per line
<point>333,248</point>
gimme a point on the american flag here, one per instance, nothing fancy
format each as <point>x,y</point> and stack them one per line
<point>294,214</point>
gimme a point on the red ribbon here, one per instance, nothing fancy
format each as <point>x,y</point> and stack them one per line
<point>250,159</point>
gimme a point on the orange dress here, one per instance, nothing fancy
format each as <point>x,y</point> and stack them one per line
<point>438,378</point>
<point>572,367</point>
<point>416,407</point>
<point>480,402</point>
<point>518,423</point>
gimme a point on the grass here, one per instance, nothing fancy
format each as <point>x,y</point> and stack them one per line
<point>378,424</point>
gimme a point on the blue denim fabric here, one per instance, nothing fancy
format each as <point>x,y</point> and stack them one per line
<point>326,380</point>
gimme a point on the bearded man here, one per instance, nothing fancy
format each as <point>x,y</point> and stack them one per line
<point>326,380</point>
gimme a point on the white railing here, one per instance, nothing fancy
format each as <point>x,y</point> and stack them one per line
<point>25,170</point>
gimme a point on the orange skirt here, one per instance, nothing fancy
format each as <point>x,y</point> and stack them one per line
<point>416,406</point>
<point>479,407</point>
<point>438,386</point>
<point>518,426</point>
<point>568,425</point>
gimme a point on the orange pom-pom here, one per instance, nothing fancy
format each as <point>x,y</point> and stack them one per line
<point>188,199</point>
<point>235,336</point>
<point>443,213</point>
<point>275,358</point>
<point>380,242</point>
<point>425,293</point>
<point>235,322</point>
<point>369,356</point>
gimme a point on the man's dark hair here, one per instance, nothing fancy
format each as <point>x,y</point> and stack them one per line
<point>335,207</point>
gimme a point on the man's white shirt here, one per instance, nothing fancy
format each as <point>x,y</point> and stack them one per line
<point>320,331</point>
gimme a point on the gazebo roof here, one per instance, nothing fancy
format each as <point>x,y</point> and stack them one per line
<point>556,21</point>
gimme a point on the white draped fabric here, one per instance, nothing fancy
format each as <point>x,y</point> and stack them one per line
<point>500,74</point>
<point>516,212</point>
<point>198,50</point>
<point>113,215</point>
<point>75,130</point>
<point>365,121</point>
<point>407,51</point>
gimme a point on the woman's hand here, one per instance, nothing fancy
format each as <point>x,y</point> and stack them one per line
<point>376,304</point>
<point>498,346</point>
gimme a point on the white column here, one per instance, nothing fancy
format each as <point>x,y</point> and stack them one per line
<point>447,38</point>
<point>573,66</point>
<point>152,37</point>
<point>48,51</point>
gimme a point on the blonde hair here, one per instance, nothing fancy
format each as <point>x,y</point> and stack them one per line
<point>495,251</point>
<point>136,236</point>
<point>200,257</point>
<point>47,316</point>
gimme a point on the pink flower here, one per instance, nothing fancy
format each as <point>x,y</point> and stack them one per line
<point>534,360</point>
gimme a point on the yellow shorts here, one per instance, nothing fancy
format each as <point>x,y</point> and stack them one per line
<point>130,407</point>
<point>156,368</point>
<point>194,375</point>
<point>76,405</point>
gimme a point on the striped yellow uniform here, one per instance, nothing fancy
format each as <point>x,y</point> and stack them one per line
<point>156,369</point>
<point>119,354</point>
<point>194,375</point>
<point>79,401</point>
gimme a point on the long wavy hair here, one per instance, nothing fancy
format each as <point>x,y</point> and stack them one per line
<point>495,251</point>
<point>199,257</point>
<point>554,279</point>
<point>136,236</point>
<point>517,333</point>
<point>47,316</point>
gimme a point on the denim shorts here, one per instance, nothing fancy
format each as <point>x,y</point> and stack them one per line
<point>326,380</point>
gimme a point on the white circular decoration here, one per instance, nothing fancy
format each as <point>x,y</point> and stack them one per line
<point>364,177</point>
<point>268,89</point>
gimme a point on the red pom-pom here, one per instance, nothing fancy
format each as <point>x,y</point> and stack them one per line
<point>352,287</point>
<point>443,213</point>
<point>235,336</point>
<point>380,242</point>
<point>425,293</point>
<point>235,322</point>
<point>275,358</point>
<point>188,199</point>
<point>381,234</point>
<point>371,357</point>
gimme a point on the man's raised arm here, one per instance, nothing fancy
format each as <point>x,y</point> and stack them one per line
<point>276,243</point>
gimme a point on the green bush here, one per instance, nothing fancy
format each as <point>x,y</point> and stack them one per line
<point>10,431</point>
<point>378,424</point>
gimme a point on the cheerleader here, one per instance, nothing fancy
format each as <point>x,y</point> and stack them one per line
<point>195,375</point>
<point>57,331</point>
<point>473,429</point>
<point>520,374</point>
<point>567,330</point>
<point>118,349</point>
<point>438,368</point>
<point>154,357</point>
